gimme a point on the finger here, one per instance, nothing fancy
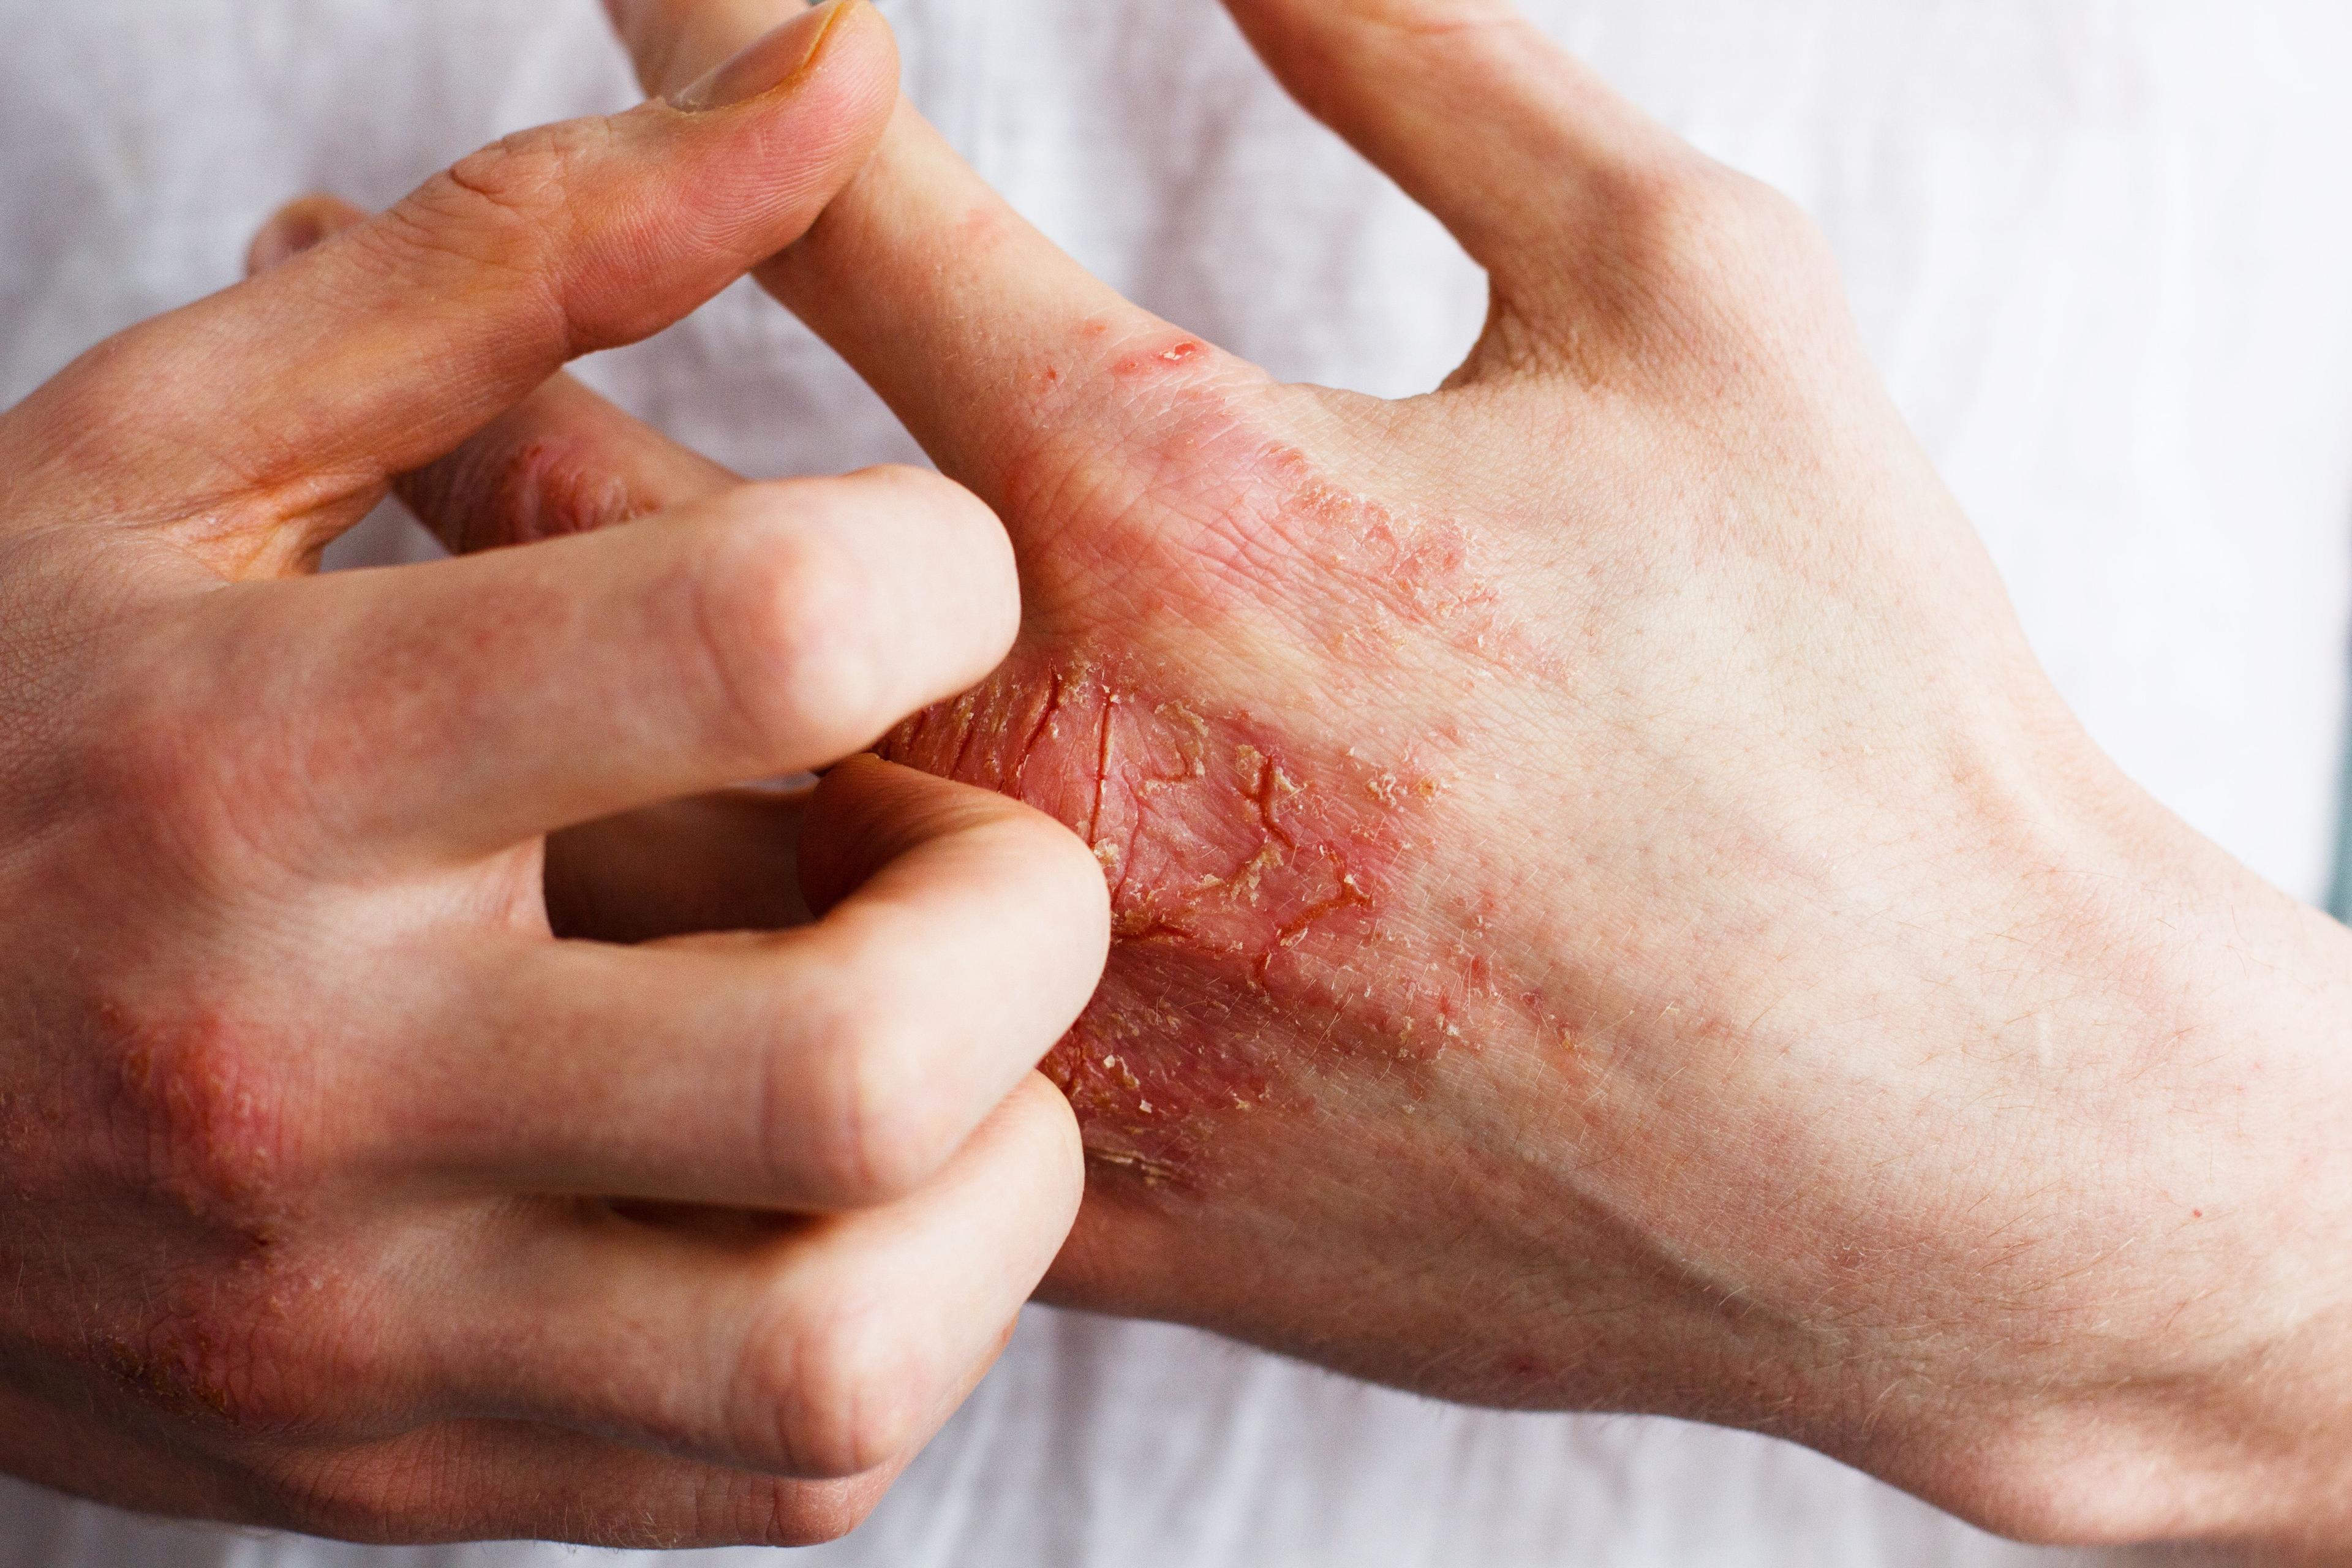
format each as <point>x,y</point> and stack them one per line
<point>435,714</point>
<point>995,348</point>
<point>816,1349</point>
<point>673,42</point>
<point>838,1065</point>
<point>564,461</point>
<point>716,863</point>
<point>299,392</point>
<point>1523,151</point>
<point>511,1480</point>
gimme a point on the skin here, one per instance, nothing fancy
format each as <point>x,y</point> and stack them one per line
<point>1609,914</point>
<point>342,1187</point>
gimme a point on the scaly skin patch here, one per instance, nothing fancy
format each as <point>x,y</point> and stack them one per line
<point>1218,638</point>
<point>1209,511</point>
<point>1250,883</point>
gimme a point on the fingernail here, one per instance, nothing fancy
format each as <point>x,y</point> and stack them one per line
<point>777,60</point>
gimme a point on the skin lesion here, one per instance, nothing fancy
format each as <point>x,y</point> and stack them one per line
<point>1210,509</point>
<point>1211,834</point>
<point>1198,696</point>
<point>1253,888</point>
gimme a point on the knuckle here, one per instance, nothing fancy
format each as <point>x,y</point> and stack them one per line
<point>208,792</point>
<point>1670,210</point>
<point>2066,1486</point>
<point>1777,237</point>
<point>206,1116</point>
<point>841,1392</point>
<point>448,223</point>
<point>526,182</point>
<point>509,208</point>
<point>784,620</point>
<point>1706,239</point>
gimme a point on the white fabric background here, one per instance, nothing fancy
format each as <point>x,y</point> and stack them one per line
<point>2103,250</point>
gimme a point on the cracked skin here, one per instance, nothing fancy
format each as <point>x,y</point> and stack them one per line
<point>1197,693</point>
<point>1246,883</point>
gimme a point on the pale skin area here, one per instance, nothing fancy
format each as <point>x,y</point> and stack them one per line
<point>338,1193</point>
<point>1609,913</point>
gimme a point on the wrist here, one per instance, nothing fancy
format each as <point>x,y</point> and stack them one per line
<point>2060,1079</point>
<point>2158,1345</point>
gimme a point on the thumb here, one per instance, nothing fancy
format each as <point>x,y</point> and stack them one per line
<point>1515,145</point>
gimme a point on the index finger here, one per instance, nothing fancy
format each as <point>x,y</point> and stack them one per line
<point>991,343</point>
<point>437,714</point>
<point>297,393</point>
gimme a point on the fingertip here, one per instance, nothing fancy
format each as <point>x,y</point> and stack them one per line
<point>818,39</point>
<point>989,574</point>
<point>681,196</point>
<point>1029,1151</point>
<point>843,99</point>
<point>870,811</point>
<point>867,813</point>
<point>946,555</point>
<point>1054,1122</point>
<point>863,813</point>
<point>863,48</point>
<point>694,54</point>
<point>298,227</point>
<point>870,814</point>
<point>816,93</point>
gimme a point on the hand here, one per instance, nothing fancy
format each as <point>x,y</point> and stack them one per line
<point>335,1193</point>
<point>1609,913</point>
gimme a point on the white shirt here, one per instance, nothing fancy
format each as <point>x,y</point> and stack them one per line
<point>2102,249</point>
